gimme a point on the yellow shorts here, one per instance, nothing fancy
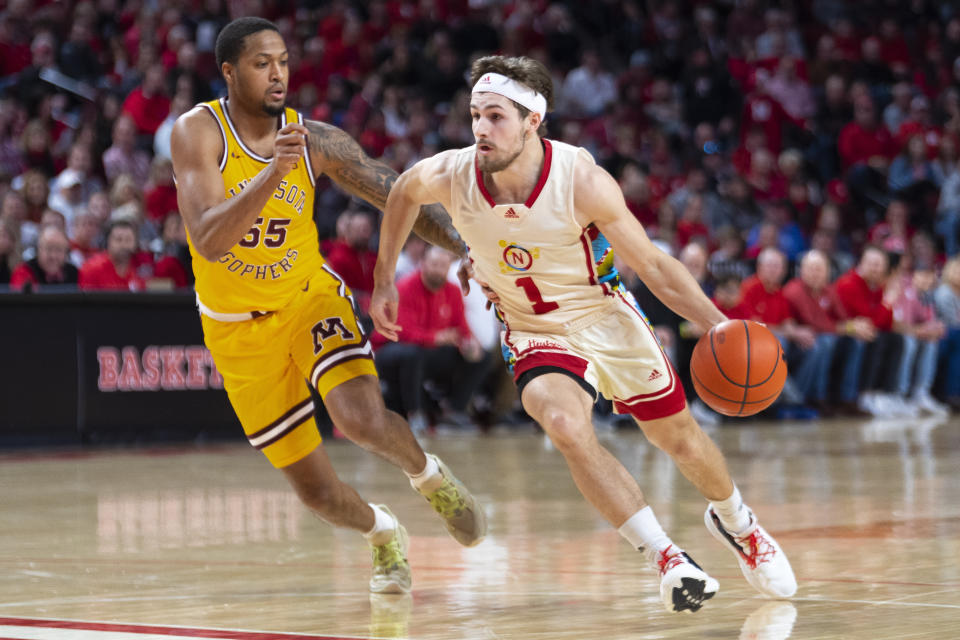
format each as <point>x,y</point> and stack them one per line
<point>265,361</point>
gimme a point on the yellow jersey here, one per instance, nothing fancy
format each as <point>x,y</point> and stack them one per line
<point>280,253</point>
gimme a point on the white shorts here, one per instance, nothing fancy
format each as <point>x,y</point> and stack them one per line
<point>618,356</point>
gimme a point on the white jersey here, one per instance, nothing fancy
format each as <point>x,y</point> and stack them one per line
<point>551,274</point>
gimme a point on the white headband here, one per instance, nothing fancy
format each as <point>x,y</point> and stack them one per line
<point>510,88</point>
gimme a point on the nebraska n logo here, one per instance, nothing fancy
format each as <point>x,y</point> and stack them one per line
<point>327,329</point>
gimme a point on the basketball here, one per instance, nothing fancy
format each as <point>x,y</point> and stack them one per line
<point>738,368</point>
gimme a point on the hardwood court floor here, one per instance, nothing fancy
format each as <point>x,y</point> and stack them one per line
<point>213,539</point>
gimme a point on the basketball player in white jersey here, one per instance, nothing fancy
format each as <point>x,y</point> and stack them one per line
<point>536,215</point>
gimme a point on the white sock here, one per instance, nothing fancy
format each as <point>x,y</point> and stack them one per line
<point>645,534</point>
<point>383,525</point>
<point>733,514</point>
<point>429,479</point>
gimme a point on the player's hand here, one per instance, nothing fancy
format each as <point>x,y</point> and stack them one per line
<point>289,147</point>
<point>383,310</point>
<point>464,273</point>
<point>863,329</point>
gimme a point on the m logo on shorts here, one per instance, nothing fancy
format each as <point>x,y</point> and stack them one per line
<point>327,329</point>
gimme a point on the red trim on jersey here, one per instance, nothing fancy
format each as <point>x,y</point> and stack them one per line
<point>654,409</point>
<point>660,404</point>
<point>483,188</point>
<point>537,188</point>
<point>589,255</point>
<point>544,174</point>
<point>586,238</point>
<point>573,364</point>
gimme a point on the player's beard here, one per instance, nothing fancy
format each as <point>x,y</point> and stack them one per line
<point>271,110</point>
<point>490,165</point>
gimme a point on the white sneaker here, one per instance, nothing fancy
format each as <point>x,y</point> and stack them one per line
<point>897,406</point>
<point>683,584</point>
<point>761,559</point>
<point>926,403</point>
<point>391,571</point>
<point>868,402</point>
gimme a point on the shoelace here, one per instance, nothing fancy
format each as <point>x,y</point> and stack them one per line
<point>446,500</point>
<point>388,556</point>
<point>668,560</point>
<point>758,548</point>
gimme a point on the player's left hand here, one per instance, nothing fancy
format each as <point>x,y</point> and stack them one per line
<point>464,273</point>
<point>383,310</point>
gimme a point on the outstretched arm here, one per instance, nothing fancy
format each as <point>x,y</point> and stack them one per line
<point>405,200</point>
<point>359,175</point>
<point>598,199</point>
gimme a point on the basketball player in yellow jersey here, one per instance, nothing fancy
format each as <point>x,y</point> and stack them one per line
<point>537,215</point>
<point>274,313</point>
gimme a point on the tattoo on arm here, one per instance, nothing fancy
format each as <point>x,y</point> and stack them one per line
<point>369,179</point>
<point>434,225</point>
<point>348,166</point>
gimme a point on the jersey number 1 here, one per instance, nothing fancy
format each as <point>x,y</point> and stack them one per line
<point>533,295</point>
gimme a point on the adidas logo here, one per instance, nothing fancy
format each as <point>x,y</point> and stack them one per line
<point>654,375</point>
<point>511,213</point>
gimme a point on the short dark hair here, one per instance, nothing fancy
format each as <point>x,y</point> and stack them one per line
<point>230,40</point>
<point>119,223</point>
<point>524,70</point>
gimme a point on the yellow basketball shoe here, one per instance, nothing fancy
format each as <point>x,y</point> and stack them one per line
<point>462,515</point>
<point>391,571</point>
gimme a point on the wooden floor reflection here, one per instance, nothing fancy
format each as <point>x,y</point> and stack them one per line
<point>213,539</point>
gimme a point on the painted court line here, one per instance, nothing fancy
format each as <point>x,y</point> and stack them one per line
<point>57,629</point>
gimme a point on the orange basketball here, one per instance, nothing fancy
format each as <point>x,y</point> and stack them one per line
<point>738,368</point>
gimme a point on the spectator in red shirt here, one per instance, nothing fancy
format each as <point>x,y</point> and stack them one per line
<point>815,304</point>
<point>114,269</point>
<point>122,156</point>
<point>50,267</point>
<point>160,196</point>
<point>760,109</point>
<point>84,235</point>
<point>761,293</point>
<point>171,256</point>
<point>728,297</point>
<point>866,149</point>
<point>148,104</point>
<point>865,141</point>
<point>435,345</point>
<point>894,232</point>
<point>351,257</point>
<point>861,291</point>
<point>919,122</point>
<point>765,302</point>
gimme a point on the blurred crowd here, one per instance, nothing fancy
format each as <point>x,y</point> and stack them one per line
<point>800,157</point>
